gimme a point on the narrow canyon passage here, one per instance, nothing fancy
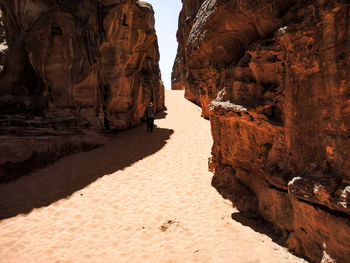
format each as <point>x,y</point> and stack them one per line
<point>141,198</point>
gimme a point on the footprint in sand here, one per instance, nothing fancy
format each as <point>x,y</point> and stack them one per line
<point>168,224</point>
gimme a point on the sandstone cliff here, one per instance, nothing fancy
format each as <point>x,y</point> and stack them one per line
<point>179,76</point>
<point>277,79</point>
<point>75,70</point>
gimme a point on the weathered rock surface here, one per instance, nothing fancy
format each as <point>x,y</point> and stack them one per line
<point>74,68</point>
<point>180,79</point>
<point>3,44</point>
<point>276,76</point>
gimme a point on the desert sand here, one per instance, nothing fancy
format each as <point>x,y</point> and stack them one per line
<point>143,197</point>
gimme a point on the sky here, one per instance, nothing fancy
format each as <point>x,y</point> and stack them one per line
<point>166,16</point>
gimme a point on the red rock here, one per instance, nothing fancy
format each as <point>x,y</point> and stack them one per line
<point>181,73</point>
<point>90,63</point>
<point>276,77</point>
<point>3,44</point>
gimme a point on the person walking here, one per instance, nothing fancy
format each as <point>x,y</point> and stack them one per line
<point>150,117</point>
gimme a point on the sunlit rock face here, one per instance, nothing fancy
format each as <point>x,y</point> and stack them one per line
<point>273,78</point>
<point>75,68</point>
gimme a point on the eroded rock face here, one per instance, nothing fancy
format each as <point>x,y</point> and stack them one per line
<point>276,77</point>
<point>3,44</point>
<point>76,67</point>
<point>218,37</point>
<point>180,77</point>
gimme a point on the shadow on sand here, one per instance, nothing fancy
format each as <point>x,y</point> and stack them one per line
<point>70,174</point>
<point>261,226</point>
<point>162,114</point>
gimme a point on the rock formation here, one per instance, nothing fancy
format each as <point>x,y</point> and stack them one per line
<point>3,44</point>
<point>276,76</point>
<point>180,68</point>
<point>75,70</point>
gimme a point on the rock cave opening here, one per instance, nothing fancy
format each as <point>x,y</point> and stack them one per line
<point>124,23</point>
<point>56,30</point>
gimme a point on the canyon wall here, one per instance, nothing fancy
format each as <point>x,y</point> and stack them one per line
<point>3,44</point>
<point>179,77</point>
<point>75,70</point>
<point>274,79</point>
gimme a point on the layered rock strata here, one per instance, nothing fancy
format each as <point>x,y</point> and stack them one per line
<point>273,78</point>
<point>76,69</point>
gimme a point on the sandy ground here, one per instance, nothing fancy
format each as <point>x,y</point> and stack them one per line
<point>141,198</point>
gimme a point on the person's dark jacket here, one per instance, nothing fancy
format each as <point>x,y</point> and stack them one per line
<point>149,114</point>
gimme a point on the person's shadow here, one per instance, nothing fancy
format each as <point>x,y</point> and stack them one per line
<point>72,173</point>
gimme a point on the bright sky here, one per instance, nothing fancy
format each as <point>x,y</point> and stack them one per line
<point>167,16</point>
